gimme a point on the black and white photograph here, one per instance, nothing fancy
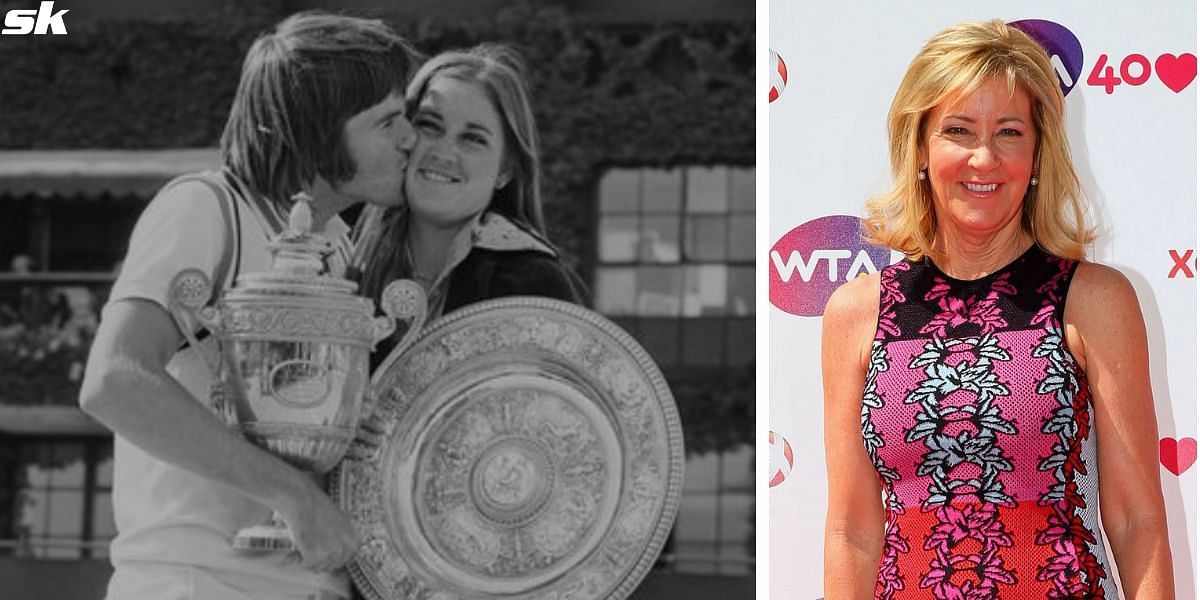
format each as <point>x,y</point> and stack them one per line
<point>358,299</point>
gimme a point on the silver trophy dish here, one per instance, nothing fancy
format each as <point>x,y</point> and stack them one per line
<point>290,366</point>
<point>520,448</point>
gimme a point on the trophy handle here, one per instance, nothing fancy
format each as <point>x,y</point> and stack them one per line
<point>187,296</point>
<point>402,300</point>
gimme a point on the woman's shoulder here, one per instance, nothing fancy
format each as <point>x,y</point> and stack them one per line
<point>1099,296</point>
<point>524,267</point>
<point>1098,286</point>
<point>854,307</point>
<point>850,319</point>
<point>518,260</point>
<point>1097,277</point>
<point>490,273</point>
<point>1103,319</point>
<point>859,295</point>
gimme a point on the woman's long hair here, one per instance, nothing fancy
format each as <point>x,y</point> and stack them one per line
<point>500,71</point>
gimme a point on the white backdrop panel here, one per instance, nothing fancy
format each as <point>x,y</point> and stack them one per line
<point>1134,149</point>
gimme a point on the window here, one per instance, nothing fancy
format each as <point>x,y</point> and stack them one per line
<point>78,235</point>
<point>675,268</point>
<point>714,533</point>
<point>676,262</point>
<point>56,497</point>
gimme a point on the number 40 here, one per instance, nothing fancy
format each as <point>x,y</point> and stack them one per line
<point>1110,81</point>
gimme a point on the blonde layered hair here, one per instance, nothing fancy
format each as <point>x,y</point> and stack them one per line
<point>952,65</point>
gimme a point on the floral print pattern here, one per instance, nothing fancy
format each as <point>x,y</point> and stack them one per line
<point>890,581</point>
<point>978,422</point>
<point>972,309</point>
<point>1073,568</point>
<point>947,451</point>
<point>889,296</point>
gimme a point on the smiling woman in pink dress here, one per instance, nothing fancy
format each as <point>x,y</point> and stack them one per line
<point>983,395</point>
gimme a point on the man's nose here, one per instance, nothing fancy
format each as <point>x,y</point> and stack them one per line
<point>406,134</point>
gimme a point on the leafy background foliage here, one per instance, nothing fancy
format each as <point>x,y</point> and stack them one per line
<point>606,96</point>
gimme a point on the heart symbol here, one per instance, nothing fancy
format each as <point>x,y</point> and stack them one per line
<point>1177,456</point>
<point>1177,72</point>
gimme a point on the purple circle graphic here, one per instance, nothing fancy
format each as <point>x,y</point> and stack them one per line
<point>812,260</point>
<point>1066,54</point>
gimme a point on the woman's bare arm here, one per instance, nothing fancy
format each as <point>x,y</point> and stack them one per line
<point>854,517</point>
<point>1106,334</point>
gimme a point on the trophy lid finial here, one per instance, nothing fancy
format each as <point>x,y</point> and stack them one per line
<point>300,217</point>
<point>298,251</point>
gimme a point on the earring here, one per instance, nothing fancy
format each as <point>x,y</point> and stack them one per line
<point>1033,180</point>
<point>921,174</point>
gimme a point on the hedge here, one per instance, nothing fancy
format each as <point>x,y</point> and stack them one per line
<point>629,95</point>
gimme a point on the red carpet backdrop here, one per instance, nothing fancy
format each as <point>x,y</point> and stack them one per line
<point>1128,72</point>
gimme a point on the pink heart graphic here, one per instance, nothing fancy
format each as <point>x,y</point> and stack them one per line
<point>1177,72</point>
<point>1177,456</point>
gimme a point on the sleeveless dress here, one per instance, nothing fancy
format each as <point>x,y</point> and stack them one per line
<point>979,424</point>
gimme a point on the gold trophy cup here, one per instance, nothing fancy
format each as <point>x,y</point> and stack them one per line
<point>290,362</point>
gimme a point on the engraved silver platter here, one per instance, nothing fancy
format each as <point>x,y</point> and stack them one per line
<point>526,449</point>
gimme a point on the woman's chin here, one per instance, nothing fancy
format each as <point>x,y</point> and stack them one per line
<point>436,218</point>
<point>979,221</point>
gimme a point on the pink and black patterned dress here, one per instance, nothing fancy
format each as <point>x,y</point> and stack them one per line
<point>979,423</point>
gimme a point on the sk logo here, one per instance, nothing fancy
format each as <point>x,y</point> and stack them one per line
<point>778,72</point>
<point>1066,54</point>
<point>42,21</point>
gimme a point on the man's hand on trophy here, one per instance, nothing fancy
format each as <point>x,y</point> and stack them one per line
<point>325,536</point>
<point>368,438</point>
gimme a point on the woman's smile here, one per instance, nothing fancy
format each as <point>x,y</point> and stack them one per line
<point>437,176</point>
<point>982,190</point>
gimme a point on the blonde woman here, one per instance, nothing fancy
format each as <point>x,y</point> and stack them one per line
<point>987,398</point>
